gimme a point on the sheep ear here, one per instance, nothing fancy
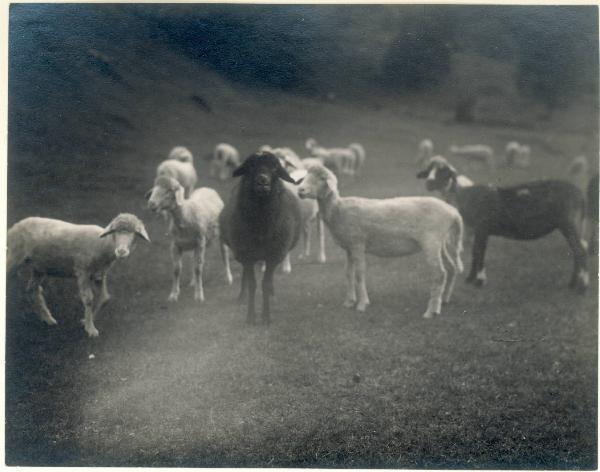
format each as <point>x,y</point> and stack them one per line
<point>299,181</point>
<point>241,169</point>
<point>108,230</point>
<point>424,173</point>
<point>140,230</point>
<point>283,175</point>
<point>179,197</point>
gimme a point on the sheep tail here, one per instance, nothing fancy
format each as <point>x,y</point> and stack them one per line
<point>454,242</point>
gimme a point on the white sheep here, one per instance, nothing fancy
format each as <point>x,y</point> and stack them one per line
<point>194,224</point>
<point>225,158</point>
<point>338,160</point>
<point>425,151</point>
<point>517,155</point>
<point>48,247</point>
<point>475,153</point>
<point>391,227</point>
<point>578,171</point>
<point>179,166</point>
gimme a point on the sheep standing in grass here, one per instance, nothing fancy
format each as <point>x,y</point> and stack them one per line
<point>475,153</point>
<point>179,166</point>
<point>225,158</point>
<point>338,160</point>
<point>523,212</point>
<point>48,247</point>
<point>391,227</point>
<point>261,222</point>
<point>517,155</point>
<point>194,224</point>
<point>425,151</point>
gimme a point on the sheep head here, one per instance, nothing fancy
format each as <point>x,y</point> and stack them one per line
<point>166,194</point>
<point>123,229</point>
<point>438,175</point>
<point>319,182</point>
<point>262,170</point>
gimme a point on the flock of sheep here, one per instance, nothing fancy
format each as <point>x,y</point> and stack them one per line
<point>278,197</point>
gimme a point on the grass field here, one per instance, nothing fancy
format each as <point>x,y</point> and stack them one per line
<point>505,378</point>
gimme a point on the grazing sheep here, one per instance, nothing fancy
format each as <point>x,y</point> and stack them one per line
<point>261,222</point>
<point>391,227</point>
<point>523,212</point>
<point>517,155</point>
<point>592,214</point>
<point>338,160</point>
<point>225,158</point>
<point>425,151</point>
<point>179,166</point>
<point>194,224</point>
<point>48,247</point>
<point>475,153</point>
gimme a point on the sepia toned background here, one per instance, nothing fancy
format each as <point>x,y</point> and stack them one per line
<point>99,94</point>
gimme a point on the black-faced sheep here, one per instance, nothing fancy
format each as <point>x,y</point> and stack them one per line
<point>260,222</point>
<point>48,247</point>
<point>523,212</point>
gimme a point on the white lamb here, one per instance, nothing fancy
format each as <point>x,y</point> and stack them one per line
<point>425,151</point>
<point>48,247</point>
<point>179,166</point>
<point>391,227</point>
<point>338,160</point>
<point>517,155</point>
<point>194,224</point>
<point>225,159</point>
<point>475,153</point>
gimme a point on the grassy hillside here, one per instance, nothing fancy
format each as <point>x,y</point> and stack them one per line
<point>505,378</point>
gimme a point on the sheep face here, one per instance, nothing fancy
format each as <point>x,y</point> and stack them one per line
<point>166,194</point>
<point>262,171</point>
<point>123,230</point>
<point>318,183</point>
<point>438,176</point>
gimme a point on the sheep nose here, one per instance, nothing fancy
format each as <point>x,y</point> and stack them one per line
<point>121,252</point>
<point>262,180</point>
<point>152,205</point>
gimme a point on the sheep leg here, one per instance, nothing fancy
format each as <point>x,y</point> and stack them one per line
<point>267,291</point>
<point>86,293</point>
<point>286,266</point>
<point>321,234</point>
<point>101,295</point>
<point>34,287</point>
<point>199,254</point>
<point>477,274</point>
<point>451,271</point>
<point>306,233</point>
<point>225,256</point>
<point>250,284</point>
<point>580,278</point>
<point>350,299</point>
<point>360,262</point>
<point>433,254</point>
<point>176,255</point>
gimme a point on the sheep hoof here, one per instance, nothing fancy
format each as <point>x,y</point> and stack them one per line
<point>173,297</point>
<point>322,260</point>
<point>361,307</point>
<point>428,315</point>
<point>92,332</point>
<point>50,321</point>
<point>229,279</point>
<point>349,303</point>
<point>199,298</point>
